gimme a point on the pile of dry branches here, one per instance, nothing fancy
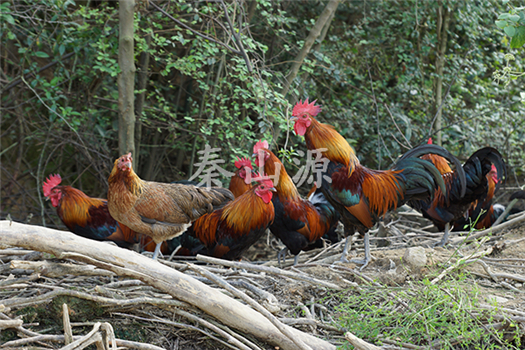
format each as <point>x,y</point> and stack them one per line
<point>189,304</point>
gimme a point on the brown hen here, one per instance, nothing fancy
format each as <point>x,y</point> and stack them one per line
<point>159,210</point>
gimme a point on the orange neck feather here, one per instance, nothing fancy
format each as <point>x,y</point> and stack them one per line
<point>319,135</point>
<point>285,186</point>
<point>238,186</point>
<point>74,206</point>
<point>238,218</point>
<point>247,212</point>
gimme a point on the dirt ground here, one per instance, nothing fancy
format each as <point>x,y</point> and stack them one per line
<point>501,279</point>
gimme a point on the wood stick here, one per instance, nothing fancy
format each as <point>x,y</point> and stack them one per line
<point>52,269</point>
<point>267,269</point>
<point>68,332</point>
<point>492,229</point>
<point>5,324</point>
<point>359,343</point>
<point>252,303</point>
<point>131,264</point>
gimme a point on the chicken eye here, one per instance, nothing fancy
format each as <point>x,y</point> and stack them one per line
<point>262,187</point>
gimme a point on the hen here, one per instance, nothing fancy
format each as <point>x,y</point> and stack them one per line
<point>86,216</point>
<point>446,211</point>
<point>228,232</point>
<point>298,223</point>
<point>160,210</point>
<point>359,194</point>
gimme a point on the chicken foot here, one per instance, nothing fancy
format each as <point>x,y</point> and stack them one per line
<point>444,240</point>
<point>368,256</point>
<point>282,254</point>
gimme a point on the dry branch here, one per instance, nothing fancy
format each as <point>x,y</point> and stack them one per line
<point>131,264</point>
<point>52,269</point>
<point>492,230</point>
<point>268,269</point>
<point>360,344</point>
<point>5,324</point>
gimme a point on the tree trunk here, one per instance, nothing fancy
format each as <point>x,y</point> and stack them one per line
<point>252,6</point>
<point>321,37</point>
<point>310,40</point>
<point>126,79</point>
<point>442,30</point>
<point>322,23</point>
<point>139,104</point>
<point>127,263</point>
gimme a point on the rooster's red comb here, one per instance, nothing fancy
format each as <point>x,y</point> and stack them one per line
<point>311,108</point>
<point>493,168</point>
<point>429,141</point>
<point>242,162</point>
<point>51,182</point>
<point>260,145</point>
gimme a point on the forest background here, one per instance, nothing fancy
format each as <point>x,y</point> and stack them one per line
<point>388,74</point>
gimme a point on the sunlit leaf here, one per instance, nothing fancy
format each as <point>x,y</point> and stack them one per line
<point>518,40</point>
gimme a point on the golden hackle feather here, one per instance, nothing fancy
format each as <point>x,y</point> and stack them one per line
<point>238,186</point>
<point>285,187</point>
<point>237,218</point>
<point>319,135</point>
<point>75,204</point>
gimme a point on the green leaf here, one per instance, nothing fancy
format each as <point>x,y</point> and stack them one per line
<point>514,18</point>
<point>510,31</point>
<point>501,24</point>
<point>518,39</point>
<point>504,16</point>
<point>9,19</point>
<point>41,54</point>
<point>61,49</point>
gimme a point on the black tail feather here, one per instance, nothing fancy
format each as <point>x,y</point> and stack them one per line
<point>518,195</point>
<point>434,149</point>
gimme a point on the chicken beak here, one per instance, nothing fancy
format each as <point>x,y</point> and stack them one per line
<point>272,189</point>
<point>293,119</point>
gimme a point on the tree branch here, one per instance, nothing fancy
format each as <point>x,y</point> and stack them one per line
<point>180,286</point>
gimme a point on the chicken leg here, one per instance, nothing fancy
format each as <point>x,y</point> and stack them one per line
<point>368,256</point>
<point>444,240</point>
<point>157,251</point>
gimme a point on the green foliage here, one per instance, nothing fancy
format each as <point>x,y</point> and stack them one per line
<point>447,314</point>
<point>513,24</point>
<point>64,118</point>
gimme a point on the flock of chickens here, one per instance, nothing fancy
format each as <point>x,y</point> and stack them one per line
<point>186,219</point>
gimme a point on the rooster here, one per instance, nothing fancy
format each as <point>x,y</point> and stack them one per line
<point>159,210</point>
<point>359,194</point>
<point>238,185</point>
<point>86,216</point>
<point>482,213</point>
<point>298,223</point>
<point>480,188</point>
<point>228,232</point>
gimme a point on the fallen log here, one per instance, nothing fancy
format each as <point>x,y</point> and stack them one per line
<point>128,263</point>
